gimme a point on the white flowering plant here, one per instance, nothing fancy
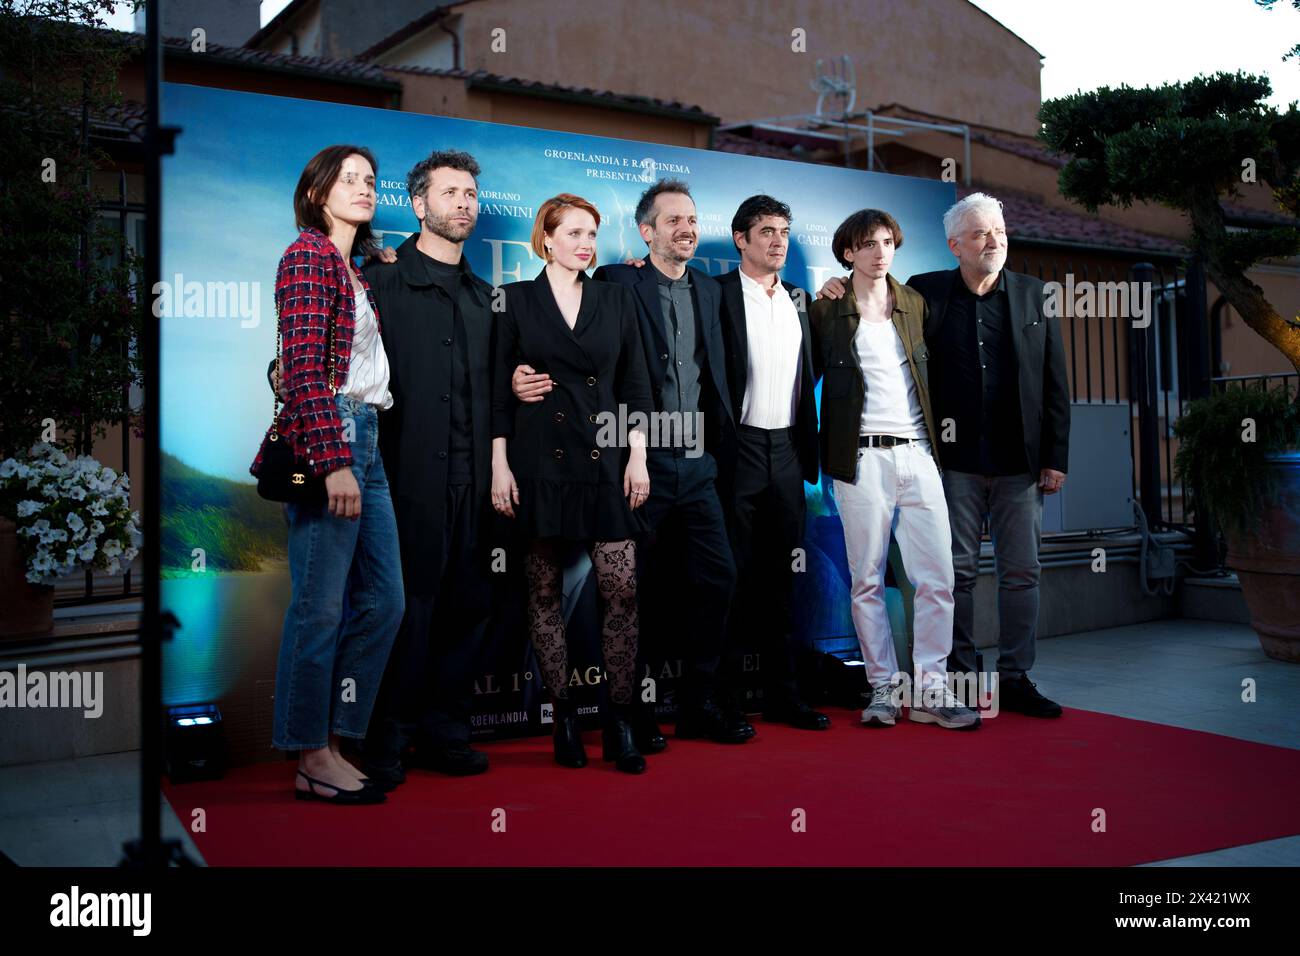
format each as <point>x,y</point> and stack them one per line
<point>72,513</point>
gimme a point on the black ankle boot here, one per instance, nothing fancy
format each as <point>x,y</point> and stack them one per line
<point>568,740</point>
<point>617,740</point>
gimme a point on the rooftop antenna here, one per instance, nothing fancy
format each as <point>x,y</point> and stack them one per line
<point>836,79</point>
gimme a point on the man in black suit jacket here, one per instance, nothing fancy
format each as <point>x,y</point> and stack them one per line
<point>681,335</point>
<point>770,372</point>
<point>1001,400</point>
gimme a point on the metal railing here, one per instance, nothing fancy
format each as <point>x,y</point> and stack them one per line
<point>1154,363</point>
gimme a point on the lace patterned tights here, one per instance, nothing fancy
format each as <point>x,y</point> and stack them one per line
<point>615,565</point>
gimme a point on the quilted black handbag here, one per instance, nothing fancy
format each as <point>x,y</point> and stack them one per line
<point>283,476</point>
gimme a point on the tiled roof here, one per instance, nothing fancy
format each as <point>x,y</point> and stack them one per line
<point>481,79</point>
<point>347,71</point>
<point>124,122</point>
<point>1239,214</point>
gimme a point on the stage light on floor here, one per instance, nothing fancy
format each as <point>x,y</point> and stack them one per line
<point>195,743</point>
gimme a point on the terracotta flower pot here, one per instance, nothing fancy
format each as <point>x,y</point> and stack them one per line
<point>27,609</point>
<point>1268,565</point>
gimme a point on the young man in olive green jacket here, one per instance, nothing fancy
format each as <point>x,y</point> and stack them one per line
<point>876,433</point>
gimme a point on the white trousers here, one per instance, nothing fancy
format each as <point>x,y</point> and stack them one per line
<point>898,490</point>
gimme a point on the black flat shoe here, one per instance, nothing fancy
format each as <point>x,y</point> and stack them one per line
<point>366,795</point>
<point>618,746</point>
<point>567,740</point>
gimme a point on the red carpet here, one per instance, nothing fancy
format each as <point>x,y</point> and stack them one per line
<point>1017,792</point>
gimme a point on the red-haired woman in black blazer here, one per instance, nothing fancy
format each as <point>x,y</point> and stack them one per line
<point>555,467</point>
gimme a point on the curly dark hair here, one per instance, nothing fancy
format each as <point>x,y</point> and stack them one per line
<point>752,210</point>
<point>417,180</point>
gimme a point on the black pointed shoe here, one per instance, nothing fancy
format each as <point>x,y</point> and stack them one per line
<point>1020,696</point>
<point>569,751</point>
<point>617,742</point>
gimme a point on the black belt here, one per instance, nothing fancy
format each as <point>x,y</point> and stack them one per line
<point>882,441</point>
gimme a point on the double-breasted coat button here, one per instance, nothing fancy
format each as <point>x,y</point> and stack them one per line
<point>559,416</point>
<point>446,397</point>
<point>442,454</point>
<point>595,453</point>
<point>591,380</point>
<point>446,341</point>
<point>558,454</point>
<point>664,357</point>
<point>593,418</point>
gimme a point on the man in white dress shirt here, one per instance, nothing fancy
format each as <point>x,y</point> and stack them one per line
<point>769,371</point>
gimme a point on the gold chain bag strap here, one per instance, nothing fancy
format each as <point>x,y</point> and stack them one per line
<point>283,475</point>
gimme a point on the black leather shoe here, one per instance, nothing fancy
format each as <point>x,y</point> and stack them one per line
<point>456,760</point>
<point>645,732</point>
<point>617,744</point>
<point>1020,696</point>
<point>569,751</point>
<point>384,778</point>
<point>739,722</point>
<point>709,720</point>
<point>798,715</point>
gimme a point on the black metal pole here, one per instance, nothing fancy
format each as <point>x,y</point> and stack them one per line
<point>1142,387</point>
<point>156,625</point>
<point>151,629</point>
<point>1200,356</point>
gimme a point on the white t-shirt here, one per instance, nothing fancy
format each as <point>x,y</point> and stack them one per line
<point>892,406</point>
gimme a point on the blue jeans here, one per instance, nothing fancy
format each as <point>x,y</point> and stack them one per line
<point>330,665</point>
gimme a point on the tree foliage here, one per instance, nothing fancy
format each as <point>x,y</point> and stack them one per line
<point>1188,146</point>
<point>70,308</point>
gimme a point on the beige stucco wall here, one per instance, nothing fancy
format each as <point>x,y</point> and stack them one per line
<point>735,59</point>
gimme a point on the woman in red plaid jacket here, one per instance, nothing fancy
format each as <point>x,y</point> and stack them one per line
<point>335,380</point>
